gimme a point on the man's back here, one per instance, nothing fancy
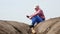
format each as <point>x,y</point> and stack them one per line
<point>41,14</point>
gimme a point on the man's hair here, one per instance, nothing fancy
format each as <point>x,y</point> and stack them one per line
<point>37,6</point>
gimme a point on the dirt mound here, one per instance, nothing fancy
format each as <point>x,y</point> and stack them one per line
<point>12,27</point>
<point>51,26</point>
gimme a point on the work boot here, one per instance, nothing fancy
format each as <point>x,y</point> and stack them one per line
<point>33,31</point>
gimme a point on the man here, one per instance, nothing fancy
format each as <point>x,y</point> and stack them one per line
<point>37,17</point>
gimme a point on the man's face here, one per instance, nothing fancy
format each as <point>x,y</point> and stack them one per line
<point>37,8</point>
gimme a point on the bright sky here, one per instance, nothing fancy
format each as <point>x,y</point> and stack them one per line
<point>16,10</point>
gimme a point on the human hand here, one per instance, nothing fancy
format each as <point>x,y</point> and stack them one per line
<point>29,17</point>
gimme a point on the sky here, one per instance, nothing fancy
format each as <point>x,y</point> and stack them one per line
<point>16,10</point>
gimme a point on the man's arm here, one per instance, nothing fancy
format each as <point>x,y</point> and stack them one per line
<point>35,14</point>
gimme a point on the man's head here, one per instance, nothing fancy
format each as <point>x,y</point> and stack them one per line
<point>37,8</point>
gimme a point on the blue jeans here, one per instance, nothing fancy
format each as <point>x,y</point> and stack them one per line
<point>36,19</point>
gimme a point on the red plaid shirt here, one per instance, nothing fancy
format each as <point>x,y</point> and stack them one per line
<point>39,13</point>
